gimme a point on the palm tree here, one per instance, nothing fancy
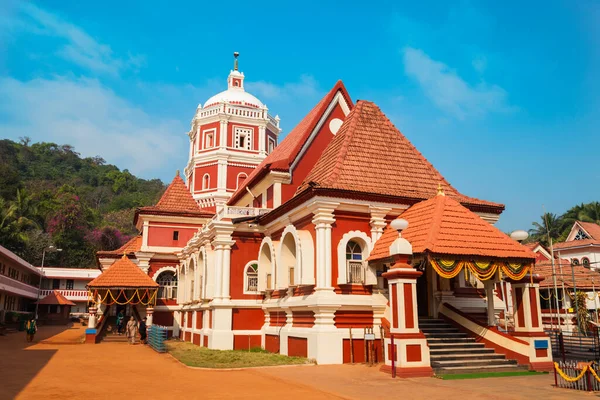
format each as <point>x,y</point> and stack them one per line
<point>551,226</point>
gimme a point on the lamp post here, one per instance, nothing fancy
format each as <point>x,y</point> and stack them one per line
<point>49,249</point>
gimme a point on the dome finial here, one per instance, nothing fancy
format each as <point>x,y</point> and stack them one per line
<point>177,173</point>
<point>440,190</point>
<point>235,61</point>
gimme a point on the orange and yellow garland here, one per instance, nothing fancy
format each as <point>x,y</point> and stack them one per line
<point>147,293</point>
<point>482,270</point>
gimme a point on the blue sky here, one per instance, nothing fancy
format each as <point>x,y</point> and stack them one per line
<point>502,98</point>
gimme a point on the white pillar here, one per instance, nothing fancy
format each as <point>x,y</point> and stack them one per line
<point>261,140</point>
<point>489,292</point>
<point>92,319</point>
<point>223,133</point>
<point>218,271</point>
<point>226,271</point>
<point>149,313</point>
<point>378,222</point>
<point>323,219</point>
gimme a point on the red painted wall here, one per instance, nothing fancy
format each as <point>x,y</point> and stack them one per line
<point>232,175</point>
<point>189,318</point>
<point>246,342</point>
<point>244,250</point>
<point>212,125</point>
<point>196,339</point>
<point>163,318</point>
<point>359,351</point>
<point>303,319</point>
<point>187,337</point>
<point>163,236</point>
<point>230,134</point>
<point>277,318</point>
<point>311,156</point>
<point>199,172</point>
<point>297,347</point>
<point>247,319</point>
<point>205,344</point>
<point>199,319</point>
<point>344,223</point>
<point>272,343</point>
<point>345,319</point>
<point>270,197</point>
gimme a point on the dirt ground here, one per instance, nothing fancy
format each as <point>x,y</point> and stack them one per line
<point>58,367</point>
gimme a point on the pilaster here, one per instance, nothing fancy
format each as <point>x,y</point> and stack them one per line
<point>378,222</point>
<point>323,219</point>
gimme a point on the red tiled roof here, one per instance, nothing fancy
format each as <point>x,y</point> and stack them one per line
<point>123,274</point>
<point>133,245</point>
<point>177,199</point>
<point>441,225</point>
<point>591,228</point>
<point>56,298</point>
<point>583,276</point>
<point>284,154</point>
<point>575,243</point>
<point>370,155</point>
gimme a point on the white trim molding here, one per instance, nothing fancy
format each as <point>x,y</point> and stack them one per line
<point>365,243</point>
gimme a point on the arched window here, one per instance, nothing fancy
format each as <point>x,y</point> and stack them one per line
<point>585,261</point>
<point>240,179</point>
<point>575,261</point>
<point>251,278</point>
<point>354,266</point>
<point>206,182</point>
<point>168,285</point>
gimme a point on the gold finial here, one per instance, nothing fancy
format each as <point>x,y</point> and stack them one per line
<point>124,254</point>
<point>177,173</point>
<point>235,62</point>
<point>440,190</point>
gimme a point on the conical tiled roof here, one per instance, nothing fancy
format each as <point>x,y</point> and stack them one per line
<point>177,199</point>
<point>442,226</point>
<point>56,298</point>
<point>370,155</point>
<point>134,244</point>
<point>123,274</point>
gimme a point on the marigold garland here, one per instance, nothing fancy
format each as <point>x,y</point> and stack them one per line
<point>574,379</point>
<point>150,296</point>
<point>482,270</point>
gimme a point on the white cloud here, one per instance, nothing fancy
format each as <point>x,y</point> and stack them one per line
<point>449,92</point>
<point>93,119</point>
<point>79,47</point>
<point>306,86</point>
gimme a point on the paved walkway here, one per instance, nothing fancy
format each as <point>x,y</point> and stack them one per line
<point>54,369</point>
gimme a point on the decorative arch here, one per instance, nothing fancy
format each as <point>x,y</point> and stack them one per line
<point>205,181</point>
<point>574,261</point>
<point>267,270</point>
<point>163,269</point>
<point>166,277</point>
<point>251,277</point>
<point>364,241</point>
<point>296,250</point>
<point>585,262</point>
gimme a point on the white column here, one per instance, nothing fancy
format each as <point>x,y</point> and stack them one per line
<point>276,194</point>
<point>226,271</point>
<point>92,319</point>
<point>223,133</point>
<point>323,219</point>
<point>145,236</point>
<point>261,140</point>
<point>149,313</point>
<point>218,271</point>
<point>378,222</point>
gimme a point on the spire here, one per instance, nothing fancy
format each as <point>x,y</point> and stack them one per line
<point>235,61</point>
<point>440,190</point>
<point>177,173</point>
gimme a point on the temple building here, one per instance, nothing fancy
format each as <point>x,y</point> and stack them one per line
<point>341,236</point>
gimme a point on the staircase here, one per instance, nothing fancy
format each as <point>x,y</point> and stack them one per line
<point>110,337</point>
<point>454,352</point>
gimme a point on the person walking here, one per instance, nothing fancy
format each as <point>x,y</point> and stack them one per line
<point>143,331</point>
<point>132,330</point>
<point>30,329</point>
<point>120,318</point>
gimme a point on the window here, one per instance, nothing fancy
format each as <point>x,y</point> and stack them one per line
<point>9,303</point>
<point>243,138</point>
<point>175,235</point>
<point>240,179</point>
<point>252,277</point>
<point>2,268</point>
<point>575,261</point>
<point>168,285</point>
<point>70,284</point>
<point>292,276</point>
<point>209,139</point>
<point>271,145</point>
<point>354,267</point>
<point>55,283</point>
<point>581,235</point>
<point>585,261</point>
<point>206,182</point>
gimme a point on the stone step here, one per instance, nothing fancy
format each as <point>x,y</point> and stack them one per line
<point>476,369</point>
<point>458,350</point>
<point>442,335</point>
<point>470,356</point>
<point>438,329</point>
<point>472,363</point>
<point>435,340</point>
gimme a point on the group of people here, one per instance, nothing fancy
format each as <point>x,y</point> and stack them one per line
<point>132,329</point>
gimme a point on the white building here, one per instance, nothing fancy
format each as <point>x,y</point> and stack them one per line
<point>70,282</point>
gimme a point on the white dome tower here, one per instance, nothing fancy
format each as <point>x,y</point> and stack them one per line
<point>229,137</point>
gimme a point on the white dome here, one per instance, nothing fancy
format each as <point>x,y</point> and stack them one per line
<point>235,96</point>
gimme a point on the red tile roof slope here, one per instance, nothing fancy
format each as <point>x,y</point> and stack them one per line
<point>56,298</point>
<point>176,199</point>
<point>133,245</point>
<point>123,274</point>
<point>584,278</point>
<point>441,225</point>
<point>286,152</point>
<point>370,155</point>
<point>591,228</point>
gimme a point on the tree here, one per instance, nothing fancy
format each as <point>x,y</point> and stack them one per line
<point>551,226</point>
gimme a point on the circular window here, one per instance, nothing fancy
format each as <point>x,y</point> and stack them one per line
<point>334,125</point>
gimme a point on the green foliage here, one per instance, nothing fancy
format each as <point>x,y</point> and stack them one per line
<point>583,316</point>
<point>51,195</point>
<point>558,227</point>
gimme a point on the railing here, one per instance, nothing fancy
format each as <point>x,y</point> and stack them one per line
<point>252,283</point>
<point>236,110</point>
<point>575,346</point>
<point>70,294</point>
<point>274,121</point>
<point>355,271</point>
<point>576,375</point>
<point>236,212</point>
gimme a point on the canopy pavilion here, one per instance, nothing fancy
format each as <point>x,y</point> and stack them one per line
<point>122,287</point>
<point>55,308</point>
<point>442,242</point>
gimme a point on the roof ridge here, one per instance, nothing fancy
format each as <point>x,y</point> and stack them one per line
<point>438,212</point>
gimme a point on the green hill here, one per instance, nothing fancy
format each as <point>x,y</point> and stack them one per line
<point>49,194</point>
